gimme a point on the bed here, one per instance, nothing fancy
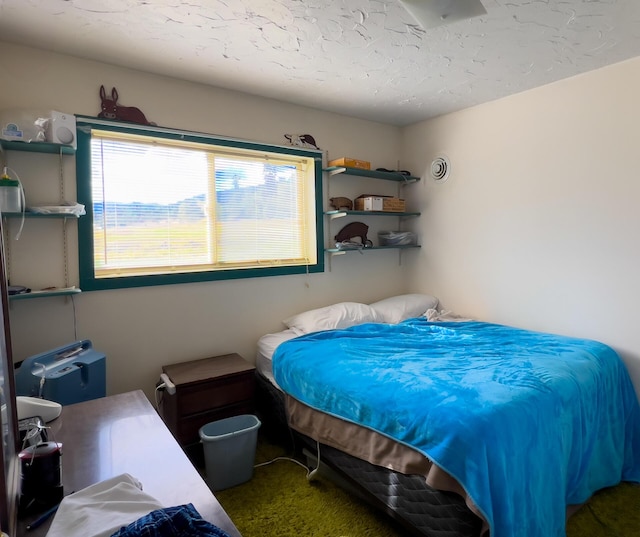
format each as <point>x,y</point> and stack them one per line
<point>456,426</point>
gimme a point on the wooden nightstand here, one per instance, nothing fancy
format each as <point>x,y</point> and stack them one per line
<point>207,390</point>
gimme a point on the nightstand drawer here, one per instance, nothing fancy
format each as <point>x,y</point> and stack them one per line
<point>221,392</point>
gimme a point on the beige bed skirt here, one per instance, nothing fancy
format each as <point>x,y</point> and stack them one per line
<point>377,449</point>
<point>372,447</point>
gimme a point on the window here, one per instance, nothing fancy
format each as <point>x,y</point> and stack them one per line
<point>173,207</point>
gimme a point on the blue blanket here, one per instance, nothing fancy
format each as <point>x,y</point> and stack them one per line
<point>526,422</point>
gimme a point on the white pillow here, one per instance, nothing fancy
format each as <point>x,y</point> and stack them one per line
<point>394,309</point>
<point>340,315</point>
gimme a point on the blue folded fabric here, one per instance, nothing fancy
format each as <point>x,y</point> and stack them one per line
<point>179,521</point>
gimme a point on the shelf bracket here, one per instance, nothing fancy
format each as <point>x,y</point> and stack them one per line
<point>65,252</point>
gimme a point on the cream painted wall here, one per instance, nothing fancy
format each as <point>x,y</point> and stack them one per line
<point>141,329</point>
<point>538,224</point>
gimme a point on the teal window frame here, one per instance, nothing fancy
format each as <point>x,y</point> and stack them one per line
<point>88,281</point>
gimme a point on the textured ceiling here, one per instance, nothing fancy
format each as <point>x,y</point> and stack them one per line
<point>363,58</point>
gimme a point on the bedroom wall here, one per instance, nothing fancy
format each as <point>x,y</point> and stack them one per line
<point>537,226</point>
<point>141,329</point>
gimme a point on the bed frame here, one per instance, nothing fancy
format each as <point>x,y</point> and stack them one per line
<point>421,510</point>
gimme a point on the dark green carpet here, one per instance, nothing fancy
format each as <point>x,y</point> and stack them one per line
<point>279,501</point>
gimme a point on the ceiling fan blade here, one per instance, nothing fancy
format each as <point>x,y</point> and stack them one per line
<point>433,13</point>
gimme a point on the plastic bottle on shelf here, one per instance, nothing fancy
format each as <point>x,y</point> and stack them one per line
<point>10,199</point>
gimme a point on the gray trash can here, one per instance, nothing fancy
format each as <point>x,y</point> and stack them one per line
<point>229,447</point>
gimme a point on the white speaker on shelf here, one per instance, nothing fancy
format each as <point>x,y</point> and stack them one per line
<point>61,129</point>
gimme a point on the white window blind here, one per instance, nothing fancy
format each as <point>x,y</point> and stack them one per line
<point>166,206</point>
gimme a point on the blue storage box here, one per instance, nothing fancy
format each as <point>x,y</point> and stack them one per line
<point>68,374</point>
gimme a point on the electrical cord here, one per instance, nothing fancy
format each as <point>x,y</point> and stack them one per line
<point>42,372</point>
<point>165,385</point>
<point>75,320</point>
<point>609,529</point>
<point>282,459</point>
<point>159,388</point>
<point>311,474</point>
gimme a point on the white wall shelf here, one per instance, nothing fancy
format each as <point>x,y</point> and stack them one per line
<point>338,213</point>
<point>396,177</point>
<point>45,293</point>
<point>372,174</point>
<point>341,251</point>
<point>53,149</point>
<point>28,214</point>
<point>37,147</point>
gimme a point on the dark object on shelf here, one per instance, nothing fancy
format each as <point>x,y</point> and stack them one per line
<point>341,203</point>
<point>302,140</point>
<point>354,229</point>
<point>112,110</point>
<point>17,289</point>
<point>401,172</point>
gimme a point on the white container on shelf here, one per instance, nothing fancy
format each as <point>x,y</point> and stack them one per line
<point>397,238</point>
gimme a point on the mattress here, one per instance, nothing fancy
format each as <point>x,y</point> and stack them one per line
<point>267,344</point>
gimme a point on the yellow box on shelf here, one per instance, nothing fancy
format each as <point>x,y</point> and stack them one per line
<point>351,163</point>
<point>379,203</point>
